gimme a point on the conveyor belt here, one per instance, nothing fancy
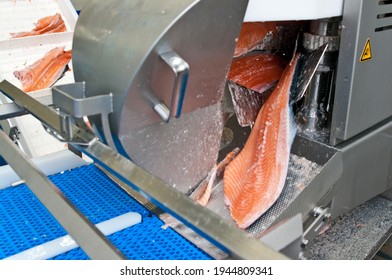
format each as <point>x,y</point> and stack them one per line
<point>26,223</point>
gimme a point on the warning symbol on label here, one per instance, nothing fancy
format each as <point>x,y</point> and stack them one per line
<point>367,52</point>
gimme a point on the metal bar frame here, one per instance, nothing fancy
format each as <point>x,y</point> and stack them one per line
<point>12,110</point>
<point>89,238</point>
<point>227,236</point>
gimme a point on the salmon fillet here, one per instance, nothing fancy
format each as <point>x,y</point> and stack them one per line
<point>257,72</point>
<point>44,72</point>
<point>251,34</point>
<point>251,80</point>
<point>254,180</point>
<point>46,25</point>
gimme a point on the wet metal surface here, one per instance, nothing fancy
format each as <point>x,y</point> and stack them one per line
<point>356,235</point>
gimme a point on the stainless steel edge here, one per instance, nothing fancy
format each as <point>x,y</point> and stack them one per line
<point>87,236</point>
<point>226,236</point>
<point>325,181</point>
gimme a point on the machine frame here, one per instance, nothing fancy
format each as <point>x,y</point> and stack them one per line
<point>356,161</point>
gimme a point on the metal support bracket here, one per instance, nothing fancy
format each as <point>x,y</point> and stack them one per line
<point>56,123</point>
<point>73,103</point>
<point>322,216</point>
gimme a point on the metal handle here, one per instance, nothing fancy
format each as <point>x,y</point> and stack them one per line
<point>181,71</point>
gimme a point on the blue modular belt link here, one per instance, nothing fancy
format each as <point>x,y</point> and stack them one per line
<point>25,222</point>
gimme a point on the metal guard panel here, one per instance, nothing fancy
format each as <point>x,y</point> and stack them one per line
<point>122,55</point>
<point>363,95</point>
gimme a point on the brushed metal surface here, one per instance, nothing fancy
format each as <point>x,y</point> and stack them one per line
<point>118,46</point>
<point>367,164</point>
<point>363,95</point>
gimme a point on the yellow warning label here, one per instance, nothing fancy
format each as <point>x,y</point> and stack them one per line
<point>367,52</point>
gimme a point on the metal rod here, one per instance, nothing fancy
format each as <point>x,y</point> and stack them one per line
<point>11,110</point>
<point>85,233</point>
<point>37,109</point>
<point>208,224</point>
<point>315,114</point>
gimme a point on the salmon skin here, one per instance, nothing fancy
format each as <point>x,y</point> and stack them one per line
<point>46,71</point>
<point>251,34</point>
<point>46,25</point>
<point>254,180</point>
<point>214,176</point>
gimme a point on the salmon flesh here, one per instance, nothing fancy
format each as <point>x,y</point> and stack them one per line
<point>254,180</point>
<point>251,34</point>
<point>46,71</point>
<point>251,81</point>
<point>46,25</point>
<point>257,71</point>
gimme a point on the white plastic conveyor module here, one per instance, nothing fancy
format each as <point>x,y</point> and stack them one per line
<point>66,243</point>
<point>49,164</point>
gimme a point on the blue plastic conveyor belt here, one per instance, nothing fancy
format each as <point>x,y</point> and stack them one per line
<point>25,222</point>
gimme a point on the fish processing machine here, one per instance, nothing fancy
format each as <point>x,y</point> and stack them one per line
<point>150,77</point>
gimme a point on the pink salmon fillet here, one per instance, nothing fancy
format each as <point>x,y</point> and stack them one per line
<point>46,25</point>
<point>44,72</point>
<point>255,178</point>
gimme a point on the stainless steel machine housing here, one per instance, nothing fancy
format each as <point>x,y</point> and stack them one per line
<point>361,125</point>
<point>121,48</point>
<point>354,164</point>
